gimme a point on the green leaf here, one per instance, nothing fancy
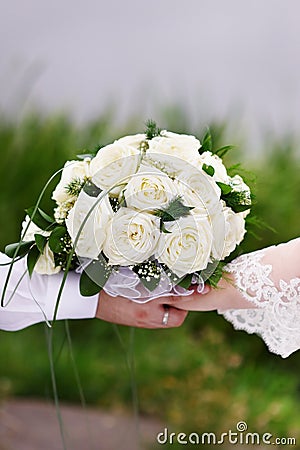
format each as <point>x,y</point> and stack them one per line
<point>46,216</point>
<point>214,277</point>
<point>23,249</point>
<point>225,188</point>
<point>237,208</point>
<point>221,152</point>
<point>174,210</point>
<point>163,228</point>
<point>40,241</point>
<point>206,142</point>
<point>91,189</point>
<point>208,169</point>
<point>238,201</point>
<point>186,281</point>
<point>87,286</point>
<point>94,277</point>
<point>40,218</point>
<point>32,258</point>
<point>56,239</point>
<point>122,201</point>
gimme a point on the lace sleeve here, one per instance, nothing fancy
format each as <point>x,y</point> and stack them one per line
<point>265,279</point>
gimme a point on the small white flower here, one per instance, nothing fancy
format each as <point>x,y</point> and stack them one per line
<point>114,164</point>
<point>73,170</point>
<point>187,248</point>
<point>92,235</point>
<point>62,210</point>
<point>131,237</point>
<point>149,189</point>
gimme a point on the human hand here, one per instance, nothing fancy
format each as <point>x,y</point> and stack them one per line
<point>153,314</point>
<point>224,296</point>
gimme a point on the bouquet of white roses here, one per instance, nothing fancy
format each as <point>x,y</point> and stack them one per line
<point>145,216</point>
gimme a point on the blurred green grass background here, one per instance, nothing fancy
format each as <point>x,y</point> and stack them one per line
<point>203,376</point>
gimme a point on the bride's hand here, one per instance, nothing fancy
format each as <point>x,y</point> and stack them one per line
<point>122,311</point>
<point>224,297</point>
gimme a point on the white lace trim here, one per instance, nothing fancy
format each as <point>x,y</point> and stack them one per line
<point>277,316</point>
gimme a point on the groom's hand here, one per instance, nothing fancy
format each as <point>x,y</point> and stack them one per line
<point>152,314</point>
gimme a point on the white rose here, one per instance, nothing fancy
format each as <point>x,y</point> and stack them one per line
<point>45,264</point>
<point>234,230</point>
<point>131,237</point>
<point>149,189</point>
<point>220,227</point>
<point>180,146</point>
<point>134,140</point>
<point>199,189</point>
<point>73,170</point>
<point>92,235</point>
<point>187,248</point>
<point>210,159</point>
<point>114,164</point>
<point>170,165</point>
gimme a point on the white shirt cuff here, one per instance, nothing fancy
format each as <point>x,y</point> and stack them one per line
<point>35,298</point>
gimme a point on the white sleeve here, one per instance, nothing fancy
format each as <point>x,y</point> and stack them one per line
<point>269,280</point>
<point>35,298</point>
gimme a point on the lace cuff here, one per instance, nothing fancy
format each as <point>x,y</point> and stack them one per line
<point>276,317</point>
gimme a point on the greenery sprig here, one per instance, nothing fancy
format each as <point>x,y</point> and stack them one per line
<point>152,129</point>
<point>213,278</point>
<point>207,145</point>
<point>75,186</point>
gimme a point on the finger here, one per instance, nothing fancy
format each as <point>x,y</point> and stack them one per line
<point>174,317</point>
<point>206,289</point>
<point>178,301</point>
<point>157,316</point>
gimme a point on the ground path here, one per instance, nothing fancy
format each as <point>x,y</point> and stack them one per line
<point>33,425</point>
